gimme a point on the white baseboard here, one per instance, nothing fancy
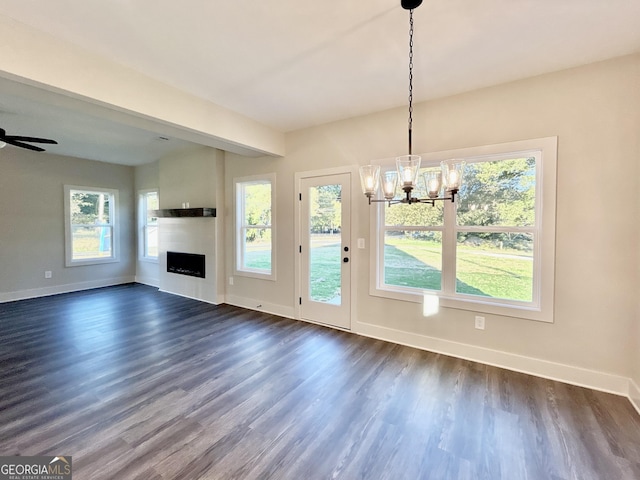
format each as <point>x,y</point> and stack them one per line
<point>67,288</point>
<point>210,302</point>
<point>581,377</point>
<point>252,304</point>
<point>152,282</point>
<point>634,394</point>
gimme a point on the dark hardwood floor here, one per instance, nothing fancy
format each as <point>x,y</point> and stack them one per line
<point>137,384</point>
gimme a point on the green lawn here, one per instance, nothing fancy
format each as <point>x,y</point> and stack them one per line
<point>482,274</point>
<point>86,244</point>
<point>258,256</point>
<point>414,263</point>
<point>481,271</point>
<point>325,272</point>
<point>325,269</point>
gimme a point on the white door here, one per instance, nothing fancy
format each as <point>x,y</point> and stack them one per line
<point>325,251</point>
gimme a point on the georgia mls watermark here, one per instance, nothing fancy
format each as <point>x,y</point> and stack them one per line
<point>35,468</point>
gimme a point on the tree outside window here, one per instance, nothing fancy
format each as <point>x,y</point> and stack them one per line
<point>487,237</point>
<point>90,225</point>
<point>254,217</point>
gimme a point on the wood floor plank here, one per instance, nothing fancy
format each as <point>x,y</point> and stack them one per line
<point>138,384</point>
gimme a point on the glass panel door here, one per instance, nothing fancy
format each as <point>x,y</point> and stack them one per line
<point>325,250</point>
<point>325,243</point>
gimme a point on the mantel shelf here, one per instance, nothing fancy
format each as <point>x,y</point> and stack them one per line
<point>184,212</point>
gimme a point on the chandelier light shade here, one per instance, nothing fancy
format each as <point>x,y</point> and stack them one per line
<point>433,183</point>
<point>408,167</point>
<point>370,179</point>
<point>389,185</point>
<point>452,173</point>
<point>407,173</point>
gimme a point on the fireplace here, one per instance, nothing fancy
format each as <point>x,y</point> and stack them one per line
<point>186,264</point>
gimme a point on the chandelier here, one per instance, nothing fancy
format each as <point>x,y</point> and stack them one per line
<point>441,184</point>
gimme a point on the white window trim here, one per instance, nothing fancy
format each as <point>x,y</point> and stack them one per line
<point>542,308</point>
<point>239,216</point>
<point>142,225</point>
<point>113,216</point>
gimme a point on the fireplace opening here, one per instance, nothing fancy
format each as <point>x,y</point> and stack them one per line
<point>191,264</point>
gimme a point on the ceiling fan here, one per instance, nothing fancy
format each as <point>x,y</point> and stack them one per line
<point>18,141</point>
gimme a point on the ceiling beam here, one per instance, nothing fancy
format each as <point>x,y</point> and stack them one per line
<point>37,59</point>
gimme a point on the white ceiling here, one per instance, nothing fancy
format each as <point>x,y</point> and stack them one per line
<point>291,64</point>
<point>79,134</point>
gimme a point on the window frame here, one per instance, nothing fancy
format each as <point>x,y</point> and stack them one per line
<point>143,225</point>
<point>239,184</point>
<point>541,308</point>
<point>112,224</point>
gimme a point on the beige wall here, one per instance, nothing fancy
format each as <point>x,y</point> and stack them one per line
<point>635,389</point>
<point>195,177</point>
<point>146,178</point>
<point>276,296</point>
<point>595,112</point>
<point>32,222</point>
<point>635,374</point>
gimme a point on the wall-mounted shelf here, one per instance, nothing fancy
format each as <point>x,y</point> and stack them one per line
<point>184,212</point>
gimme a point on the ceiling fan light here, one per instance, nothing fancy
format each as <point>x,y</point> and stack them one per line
<point>2,144</point>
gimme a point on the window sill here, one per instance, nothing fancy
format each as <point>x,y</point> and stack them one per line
<point>148,259</point>
<point>478,305</point>
<point>92,261</point>
<point>255,274</point>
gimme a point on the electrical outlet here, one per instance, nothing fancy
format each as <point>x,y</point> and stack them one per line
<point>48,274</point>
<point>230,280</point>
<point>479,322</point>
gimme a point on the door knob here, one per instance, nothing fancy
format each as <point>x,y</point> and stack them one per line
<point>345,259</point>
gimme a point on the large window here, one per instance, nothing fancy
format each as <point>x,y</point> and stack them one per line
<point>148,201</point>
<point>492,251</point>
<point>255,215</point>
<point>91,227</point>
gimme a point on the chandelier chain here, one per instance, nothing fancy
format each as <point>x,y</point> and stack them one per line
<point>440,186</point>
<point>410,76</point>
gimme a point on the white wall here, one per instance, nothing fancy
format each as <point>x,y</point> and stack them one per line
<point>32,223</point>
<point>273,296</point>
<point>634,388</point>
<point>197,178</point>
<point>146,178</point>
<point>595,112</point>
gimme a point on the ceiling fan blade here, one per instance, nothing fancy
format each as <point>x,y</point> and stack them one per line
<point>30,139</point>
<point>22,145</point>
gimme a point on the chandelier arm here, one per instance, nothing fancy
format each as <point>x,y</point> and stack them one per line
<point>410,200</point>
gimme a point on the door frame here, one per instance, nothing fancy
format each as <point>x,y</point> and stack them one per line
<point>297,222</point>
